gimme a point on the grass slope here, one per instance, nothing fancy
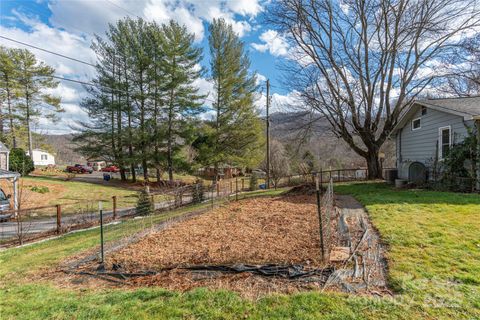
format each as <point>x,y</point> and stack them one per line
<point>433,259</point>
<point>434,246</point>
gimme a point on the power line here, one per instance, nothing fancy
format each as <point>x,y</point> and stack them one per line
<point>48,51</point>
<point>122,8</point>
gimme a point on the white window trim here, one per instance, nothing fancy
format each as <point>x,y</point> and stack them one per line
<point>413,120</point>
<point>440,144</point>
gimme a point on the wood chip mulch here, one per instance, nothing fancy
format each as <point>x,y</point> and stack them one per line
<point>257,231</point>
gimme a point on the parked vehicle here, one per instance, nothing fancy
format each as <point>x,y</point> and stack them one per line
<point>4,206</point>
<point>97,165</point>
<point>259,173</point>
<point>78,168</point>
<point>111,169</point>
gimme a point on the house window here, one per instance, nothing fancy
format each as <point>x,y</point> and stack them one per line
<point>44,157</point>
<point>424,111</point>
<point>416,124</point>
<point>445,141</point>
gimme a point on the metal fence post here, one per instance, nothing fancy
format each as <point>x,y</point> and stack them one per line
<point>59,218</point>
<point>101,232</point>
<point>114,207</point>
<point>319,208</point>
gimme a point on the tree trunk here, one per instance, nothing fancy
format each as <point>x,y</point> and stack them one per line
<point>373,165</point>
<point>130,147</point>
<point>10,116</point>
<point>169,149</point>
<point>29,130</point>
<point>129,115</point>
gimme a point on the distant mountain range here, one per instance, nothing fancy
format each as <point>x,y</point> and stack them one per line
<point>64,149</point>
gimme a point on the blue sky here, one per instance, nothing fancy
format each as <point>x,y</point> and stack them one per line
<point>67,27</point>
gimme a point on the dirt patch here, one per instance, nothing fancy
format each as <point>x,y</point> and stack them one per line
<point>31,198</point>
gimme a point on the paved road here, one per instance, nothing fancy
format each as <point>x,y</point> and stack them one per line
<point>9,229</point>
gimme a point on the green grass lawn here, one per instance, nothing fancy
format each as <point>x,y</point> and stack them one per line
<point>434,261</point>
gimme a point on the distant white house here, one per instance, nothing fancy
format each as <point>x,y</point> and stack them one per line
<point>42,158</point>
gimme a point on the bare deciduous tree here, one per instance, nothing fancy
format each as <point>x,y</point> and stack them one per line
<point>359,63</point>
<point>279,162</point>
<point>465,78</point>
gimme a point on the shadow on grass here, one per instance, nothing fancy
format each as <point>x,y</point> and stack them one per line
<point>381,193</point>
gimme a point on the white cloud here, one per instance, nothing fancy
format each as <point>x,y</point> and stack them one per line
<point>205,88</point>
<point>93,16</point>
<point>73,23</point>
<point>273,43</point>
<point>278,102</point>
<point>260,79</point>
<point>244,7</point>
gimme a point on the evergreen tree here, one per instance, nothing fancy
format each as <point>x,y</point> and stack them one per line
<point>8,92</point>
<point>235,135</point>
<point>33,78</point>
<point>179,69</point>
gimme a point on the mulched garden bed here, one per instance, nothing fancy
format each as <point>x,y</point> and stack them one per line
<point>207,250</point>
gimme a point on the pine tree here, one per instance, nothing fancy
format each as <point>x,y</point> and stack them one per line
<point>179,68</point>
<point>8,90</point>
<point>236,133</point>
<point>33,78</point>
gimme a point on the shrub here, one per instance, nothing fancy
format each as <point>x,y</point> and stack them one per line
<point>253,182</point>
<point>198,193</point>
<point>145,205</point>
<point>20,162</point>
<point>40,189</point>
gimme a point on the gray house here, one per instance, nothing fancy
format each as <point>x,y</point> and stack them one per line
<point>428,129</point>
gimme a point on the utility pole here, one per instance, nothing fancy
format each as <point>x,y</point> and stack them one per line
<point>268,134</point>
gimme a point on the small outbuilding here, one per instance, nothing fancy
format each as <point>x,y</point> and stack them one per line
<point>42,158</point>
<point>10,176</point>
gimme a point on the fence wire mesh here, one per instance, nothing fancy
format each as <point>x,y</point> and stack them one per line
<point>327,216</point>
<point>33,223</point>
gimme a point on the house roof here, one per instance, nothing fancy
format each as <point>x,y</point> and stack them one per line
<point>3,147</point>
<point>41,150</point>
<point>4,174</point>
<point>467,107</point>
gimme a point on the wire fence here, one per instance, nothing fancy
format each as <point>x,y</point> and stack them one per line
<point>27,224</point>
<point>327,216</point>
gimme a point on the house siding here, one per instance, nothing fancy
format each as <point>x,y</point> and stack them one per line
<point>421,144</point>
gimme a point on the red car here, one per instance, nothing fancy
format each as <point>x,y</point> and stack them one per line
<point>78,168</point>
<point>111,169</point>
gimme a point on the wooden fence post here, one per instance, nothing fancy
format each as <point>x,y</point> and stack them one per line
<point>243,184</point>
<point>114,207</point>
<point>321,180</point>
<point>59,219</point>
<point>236,188</point>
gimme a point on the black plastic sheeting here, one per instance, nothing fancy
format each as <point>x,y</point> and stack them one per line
<point>291,272</point>
<point>270,270</point>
